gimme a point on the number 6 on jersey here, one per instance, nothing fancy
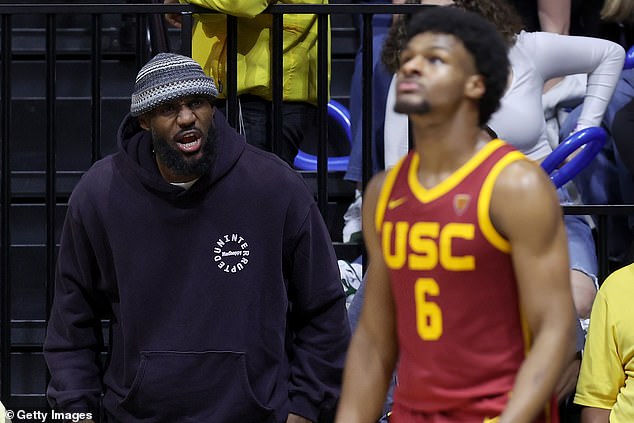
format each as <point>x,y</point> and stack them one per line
<point>428,314</point>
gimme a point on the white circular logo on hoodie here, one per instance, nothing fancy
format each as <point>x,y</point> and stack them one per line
<point>231,253</point>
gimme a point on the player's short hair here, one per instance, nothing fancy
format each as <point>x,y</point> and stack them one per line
<point>480,38</point>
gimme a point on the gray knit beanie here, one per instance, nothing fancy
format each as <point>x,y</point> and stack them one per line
<point>166,77</point>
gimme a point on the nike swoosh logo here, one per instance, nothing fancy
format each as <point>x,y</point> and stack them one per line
<point>392,204</point>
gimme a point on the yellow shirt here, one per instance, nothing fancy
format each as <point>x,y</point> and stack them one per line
<point>607,368</point>
<point>254,52</point>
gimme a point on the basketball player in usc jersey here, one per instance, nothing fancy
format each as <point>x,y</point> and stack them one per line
<point>468,285</point>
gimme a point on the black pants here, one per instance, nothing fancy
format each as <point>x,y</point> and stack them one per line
<point>299,125</point>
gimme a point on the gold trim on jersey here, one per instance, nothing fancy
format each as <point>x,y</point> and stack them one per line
<point>484,202</point>
<point>425,195</point>
<point>489,231</point>
<point>384,196</point>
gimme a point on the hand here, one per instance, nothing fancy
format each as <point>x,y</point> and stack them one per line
<point>571,156</point>
<point>294,418</point>
<point>568,380</point>
<point>173,19</point>
<point>578,150</point>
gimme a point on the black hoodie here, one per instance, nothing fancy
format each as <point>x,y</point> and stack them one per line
<point>225,299</point>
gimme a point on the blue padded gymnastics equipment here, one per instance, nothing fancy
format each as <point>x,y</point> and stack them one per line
<point>339,117</point>
<point>592,139</point>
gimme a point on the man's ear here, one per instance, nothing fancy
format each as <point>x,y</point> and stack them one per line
<point>475,86</point>
<point>144,121</point>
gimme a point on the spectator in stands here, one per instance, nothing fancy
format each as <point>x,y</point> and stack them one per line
<point>222,290</point>
<point>300,85</point>
<point>608,179</point>
<point>451,266</point>
<point>605,388</point>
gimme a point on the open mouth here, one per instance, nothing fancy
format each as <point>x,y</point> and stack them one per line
<point>189,142</point>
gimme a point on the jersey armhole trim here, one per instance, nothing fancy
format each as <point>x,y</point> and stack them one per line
<point>386,190</point>
<point>484,202</point>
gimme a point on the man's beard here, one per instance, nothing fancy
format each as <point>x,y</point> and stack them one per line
<point>177,162</point>
<point>412,108</point>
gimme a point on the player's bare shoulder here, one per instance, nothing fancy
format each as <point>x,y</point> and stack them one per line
<point>524,181</point>
<point>374,187</point>
<point>524,196</point>
<point>371,194</point>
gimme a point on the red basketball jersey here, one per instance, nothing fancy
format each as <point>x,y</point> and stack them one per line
<point>460,332</point>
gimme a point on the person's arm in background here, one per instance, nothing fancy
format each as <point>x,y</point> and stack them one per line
<point>602,60</point>
<point>595,415</point>
<point>554,16</point>
<point>373,349</point>
<point>241,8</point>
<point>173,19</point>
<point>525,209</point>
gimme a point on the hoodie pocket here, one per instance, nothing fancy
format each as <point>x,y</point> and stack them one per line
<point>201,386</point>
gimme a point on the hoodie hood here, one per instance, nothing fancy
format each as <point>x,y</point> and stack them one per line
<point>135,153</point>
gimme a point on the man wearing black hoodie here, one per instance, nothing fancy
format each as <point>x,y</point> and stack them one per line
<point>212,264</point>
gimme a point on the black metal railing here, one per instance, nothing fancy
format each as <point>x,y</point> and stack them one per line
<point>45,180</point>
